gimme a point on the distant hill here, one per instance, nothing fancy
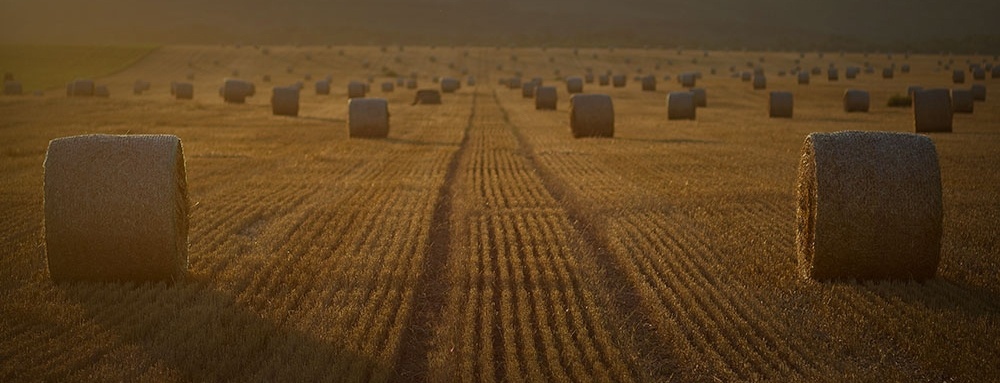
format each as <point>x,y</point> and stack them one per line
<point>958,26</point>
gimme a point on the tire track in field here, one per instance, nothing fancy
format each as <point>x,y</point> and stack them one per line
<point>429,299</point>
<point>627,297</point>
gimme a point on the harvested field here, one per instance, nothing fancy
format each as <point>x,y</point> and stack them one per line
<point>481,242</point>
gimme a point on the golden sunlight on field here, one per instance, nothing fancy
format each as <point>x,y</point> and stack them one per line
<point>479,240</point>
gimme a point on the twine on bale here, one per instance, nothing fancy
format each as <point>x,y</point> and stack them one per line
<point>869,206</point>
<point>116,208</point>
<point>591,115</point>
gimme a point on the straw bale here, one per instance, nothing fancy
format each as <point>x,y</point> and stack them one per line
<point>546,98</point>
<point>780,104</point>
<point>680,106</point>
<point>285,101</point>
<point>856,100</point>
<point>932,110</point>
<point>368,117</point>
<point>591,115</point>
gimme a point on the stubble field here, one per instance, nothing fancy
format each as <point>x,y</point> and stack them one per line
<point>481,242</point>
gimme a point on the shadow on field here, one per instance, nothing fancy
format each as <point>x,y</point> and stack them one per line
<point>392,140</point>
<point>323,119</point>
<point>203,334</point>
<point>939,295</point>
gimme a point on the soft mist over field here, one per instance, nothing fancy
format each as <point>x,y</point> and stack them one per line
<point>774,24</point>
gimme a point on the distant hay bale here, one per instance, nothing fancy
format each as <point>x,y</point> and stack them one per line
<point>81,88</point>
<point>803,78</point>
<point>832,74</point>
<point>852,72</point>
<point>183,90</point>
<point>869,206</point>
<point>887,73</point>
<point>932,110</point>
<point>746,76</point>
<point>904,69</point>
<point>546,98</point>
<point>618,80</point>
<point>995,72</point>
<point>528,90</point>
<point>236,91</point>
<point>12,88</point>
<point>470,81</point>
<point>400,82</point>
<point>356,89</point>
<point>514,83</point>
<point>700,97</point>
<point>759,82</point>
<point>780,105</point>
<point>450,85</point>
<point>591,115</point>
<point>388,86</point>
<point>588,78</point>
<point>411,84</point>
<point>649,83</point>
<point>978,92</point>
<point>323,87</point>
<point>603,80</point>
<point>427,97</point>
<point>816,71</point>
<point>687,80</point>
<point>116,208</point>
<point>368,117</point>
<point>285,101</point>
<point>574,85</point>
<point>979,73</point>
<point>140,86</point>
<point>962,101</point>
<point>856,100</point>
<point>958,76</point>
<point>680,106</point>
<point>102,91</point>
<point>910,90</point>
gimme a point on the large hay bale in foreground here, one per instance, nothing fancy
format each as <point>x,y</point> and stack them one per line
<point>962,101</point>
<point>700,97</point>
<point>427,97</point>
<point>81,88</point>
<point>323,87</point>
<point>978,92</point>
<point>546,98</point>
<point>780,104</point>
<point>680,106</point>
<point>591,115</point>
<point>869,206</point>
<point>618,80</point>
<point>285,101</point>
<point>958,76</point>
<point>574,85</point>
<point>368,117</point>
<point>356,89</point>
<point>183,90</point>
<point>116,208</point>
<point>12,88</point>
<point>236,91</point>
<point>856,100</point>
<point>932,110</point>
<point>450,85</point>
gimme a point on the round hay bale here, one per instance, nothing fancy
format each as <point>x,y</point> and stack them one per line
<point>745,76</point>
<point>904,69</point>
<point>856,100</point>
<point>528,90</point>
<point>687,80</point>
<point>400,82</point>
<point>588,78</point>
<point>102,91</point>
<point>869,206</point>
<point>514,83</point>
<point>411,84</point>
<point>388,86</point>
<point>979,73</point>
<point>649,83</point>
<point>618,80</point>
<point>368,117</point>
<point>603,80</point>
<point>356,89</point>
<point>887,73</point>
<point>803,78</point>
<point>323,87</point>
<point>700,97</point>
<point>816,71</point>
<point>958,76</point>
<point>81,88</point>
<point>183,90</point>
<point>759,81</point>
<point>12,88</point>
<point>546,98</point>
<point>780,104</point>
<point>140,86</point>
<point>962,101</point>
<point>591,115</point>
<point>978,92</point>
<point>574,85</point>
<point>932,110</point>
<point>910,90</point>
<point>236,91</point>
<point>116,208</point>
<point>852,72</point>
<point>285,101</point>
<point>450,85</point>
<point>680,106</point>
<point>995,72</point>
<point>470,81</point>
<point>832,74</point>
<point>427,97</point>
